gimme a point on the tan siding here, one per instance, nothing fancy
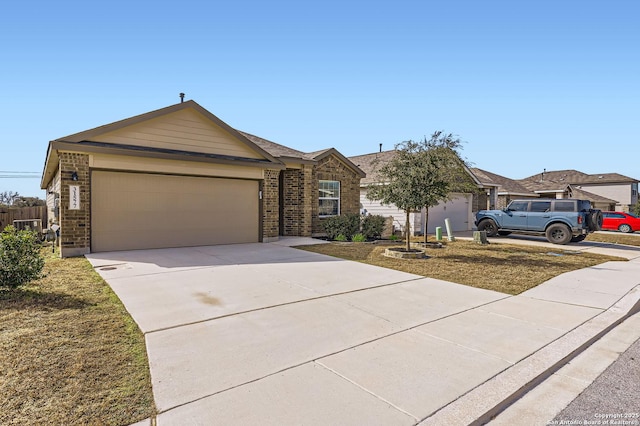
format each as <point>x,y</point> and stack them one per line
<point>620,192</point>
<point>140,211</point>
<point>119,162</point>
<point>184,130</point>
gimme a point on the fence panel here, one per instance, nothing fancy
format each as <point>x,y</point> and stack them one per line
<point>9,214</point>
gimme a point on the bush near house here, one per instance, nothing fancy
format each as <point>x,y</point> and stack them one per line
<point>350,225</point>
<point>20,259</point>
<point>372,226</point>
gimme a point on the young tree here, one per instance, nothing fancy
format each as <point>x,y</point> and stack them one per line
<point>28,202</point>
<point>8,197</point>
<point>422,174</point>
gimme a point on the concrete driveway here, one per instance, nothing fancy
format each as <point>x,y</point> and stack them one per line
<point>268,334</point>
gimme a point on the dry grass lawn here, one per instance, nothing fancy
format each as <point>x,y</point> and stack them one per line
<point>505,268</point>
<point>615,238</point>
<point>70,353</point>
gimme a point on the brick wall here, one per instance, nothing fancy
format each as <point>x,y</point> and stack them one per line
<point>270,205</point>
<point>331,168</point>
<point>75,225</point>
<point>297,199</point>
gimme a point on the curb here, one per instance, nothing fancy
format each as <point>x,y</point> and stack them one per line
<point>486,401</point>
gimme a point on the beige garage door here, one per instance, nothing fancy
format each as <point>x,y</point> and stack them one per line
<point>138,211</point>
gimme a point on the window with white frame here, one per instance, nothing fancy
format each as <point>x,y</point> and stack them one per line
<point>329,198</point>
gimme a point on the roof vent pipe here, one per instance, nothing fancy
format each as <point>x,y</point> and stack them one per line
<point>181,97</point>
<point>380,147</point>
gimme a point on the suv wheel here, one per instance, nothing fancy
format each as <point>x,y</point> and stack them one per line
<point>558,233</point>
<point>625,228</point>
<point>489,226</point>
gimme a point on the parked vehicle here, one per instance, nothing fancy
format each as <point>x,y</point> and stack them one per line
<point>560,220</point>
<point>620,221</point>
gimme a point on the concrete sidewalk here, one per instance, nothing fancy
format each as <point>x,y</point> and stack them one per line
<point>267,334</point>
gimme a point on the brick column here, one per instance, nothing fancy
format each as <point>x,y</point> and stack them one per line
<point>270,206</point>
<point>75,225</point>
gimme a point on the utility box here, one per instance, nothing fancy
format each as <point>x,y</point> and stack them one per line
<point>30,224</point>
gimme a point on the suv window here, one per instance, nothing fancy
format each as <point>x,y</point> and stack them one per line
<point>584,205</point>
<point>518,206</point>
<point>540,206</point>
<point>564,206</point>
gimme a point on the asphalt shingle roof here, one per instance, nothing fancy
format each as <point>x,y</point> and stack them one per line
<point>368,163</point>
<point>576,177</point>
<point>505,184</point>
<point>275,149</point>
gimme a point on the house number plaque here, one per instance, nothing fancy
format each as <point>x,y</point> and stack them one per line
<point>74,197</point>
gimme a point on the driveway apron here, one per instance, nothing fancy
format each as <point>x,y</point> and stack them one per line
<point>268,334</point>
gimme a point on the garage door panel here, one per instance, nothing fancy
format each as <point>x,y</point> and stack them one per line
<point>136,211</point>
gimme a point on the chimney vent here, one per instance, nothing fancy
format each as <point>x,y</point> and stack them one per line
<point>380,147</point>
<point>181,97</point>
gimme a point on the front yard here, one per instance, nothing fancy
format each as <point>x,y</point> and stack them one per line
<point>70,353</point>
<point>506,268</point>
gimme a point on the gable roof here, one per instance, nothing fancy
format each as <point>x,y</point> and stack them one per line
<point>286,153</point>
<point>368,163</point>
<point>268,153</point>
<point>91,141</point>
<point>505,185</point>
<point>577,177</point>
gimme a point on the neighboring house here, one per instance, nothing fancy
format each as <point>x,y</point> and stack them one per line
<point>611,191</point>
<point>506,189</point>
<point>459,210</point>
<point>510,189</point>
<point>180,176</point>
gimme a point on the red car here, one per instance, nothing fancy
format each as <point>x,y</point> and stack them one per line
<point>620,221</point>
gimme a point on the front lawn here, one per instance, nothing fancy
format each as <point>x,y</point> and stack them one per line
<point>505,268</point>
<point>70,353</point>
<point>615,238</point>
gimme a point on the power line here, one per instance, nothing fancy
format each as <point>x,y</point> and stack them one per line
<point>6,174</point>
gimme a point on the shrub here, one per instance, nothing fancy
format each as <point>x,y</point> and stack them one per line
<point>358,238</point>
<point>340,237</point>
<point>347,225</point>
<point>372,226</point>
<point>20,257</point>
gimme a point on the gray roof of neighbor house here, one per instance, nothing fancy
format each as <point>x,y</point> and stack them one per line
<point>576,177</point>
<point>369,162</point>
<point>505,185</point>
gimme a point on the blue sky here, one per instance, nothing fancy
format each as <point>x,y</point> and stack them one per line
<point>528,85</point>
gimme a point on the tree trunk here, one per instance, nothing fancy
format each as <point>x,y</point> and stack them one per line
<point>408,232</point>
<point>426,223</point>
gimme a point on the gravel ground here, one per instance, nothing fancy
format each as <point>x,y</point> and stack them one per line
<point>612,399</point>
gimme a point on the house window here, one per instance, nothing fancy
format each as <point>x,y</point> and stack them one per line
<point>329,198</point>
